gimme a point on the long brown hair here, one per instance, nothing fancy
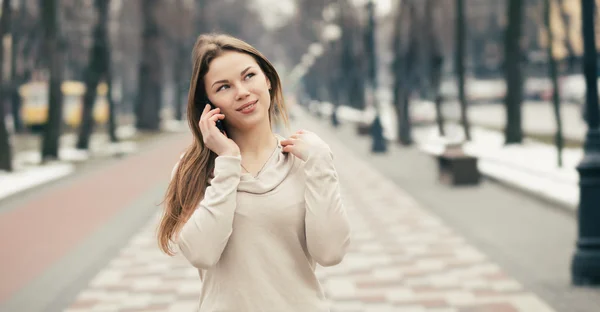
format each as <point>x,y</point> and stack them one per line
<point>191,177</point>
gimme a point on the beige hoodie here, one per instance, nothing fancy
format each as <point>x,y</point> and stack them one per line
<point>256,240</point>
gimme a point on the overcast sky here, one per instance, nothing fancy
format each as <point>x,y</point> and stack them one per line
<point>276,12</point>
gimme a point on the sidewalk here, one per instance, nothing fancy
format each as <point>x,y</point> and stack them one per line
<point>402,258</point>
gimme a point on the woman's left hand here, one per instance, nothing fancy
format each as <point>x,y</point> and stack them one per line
<point>304,144</point>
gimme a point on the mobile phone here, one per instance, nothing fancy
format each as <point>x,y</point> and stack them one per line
<point>219,122</point>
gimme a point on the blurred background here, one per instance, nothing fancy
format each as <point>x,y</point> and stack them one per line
<point>443,93</point>
<point>120,63</point>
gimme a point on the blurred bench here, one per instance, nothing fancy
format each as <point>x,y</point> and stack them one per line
<point>457,168</point>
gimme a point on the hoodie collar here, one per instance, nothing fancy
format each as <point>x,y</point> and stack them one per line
<point>277,168</point>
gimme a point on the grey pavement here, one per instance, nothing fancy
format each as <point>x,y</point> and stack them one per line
<point>390,264</point>
<point>531,240</point>
<point>99,235</point>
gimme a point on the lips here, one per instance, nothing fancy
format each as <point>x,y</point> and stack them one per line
<point>247,105</point>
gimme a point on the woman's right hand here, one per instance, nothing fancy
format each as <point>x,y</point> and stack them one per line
<point>214,139</point>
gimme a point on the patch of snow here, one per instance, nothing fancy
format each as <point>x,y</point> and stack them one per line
<point>14,182</point>
<point>530,166</point>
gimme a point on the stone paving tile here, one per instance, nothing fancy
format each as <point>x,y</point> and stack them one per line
<point>402,259</point>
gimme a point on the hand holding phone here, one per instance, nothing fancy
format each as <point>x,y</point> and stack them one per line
<point>219,122</point>
<point>214,138</point>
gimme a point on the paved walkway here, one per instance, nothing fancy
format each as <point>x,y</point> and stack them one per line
<point>402,258</point>
<point>529,238</point>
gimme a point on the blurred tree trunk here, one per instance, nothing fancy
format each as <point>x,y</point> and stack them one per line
<point>179,69</point>
<point>494,34</point>
<point>184,38</point>
<point>357,89</point>
<point>5,144</point>
<point>112,110</point>
<point>426,46</point>
<point>568,40</point>
<point>460,66</point>
<point>398,67</point>
<point>357,82</point>
<point>54,52</point>
<point>109,74</point>
<point>553,76</point>
<point>335,78</point>
<point>311,85</point>
<point>371,49</point>
<point>397,63</point>
<point>201,22</point>
<point>477,50</point>
<point>96,70</point>
<point>334,56</point>
<point>346,57</point>
<point>149,90</point>
<point>15,79</point>
<point>435,61</point>
<point>436,79</point>
<point>403,69</point>
<point>513,131</point>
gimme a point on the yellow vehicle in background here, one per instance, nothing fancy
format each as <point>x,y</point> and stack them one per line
<point>34,103</point>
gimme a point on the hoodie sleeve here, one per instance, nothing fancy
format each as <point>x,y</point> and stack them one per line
<point>204,236</point>
<point>327,225</point>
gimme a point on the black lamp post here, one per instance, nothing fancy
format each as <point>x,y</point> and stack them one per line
<point>379,144</point>
<point>585,267</point>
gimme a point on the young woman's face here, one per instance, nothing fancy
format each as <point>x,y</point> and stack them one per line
<point>237,85</point>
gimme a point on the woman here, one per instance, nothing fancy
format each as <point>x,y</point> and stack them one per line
<point>254,212</point>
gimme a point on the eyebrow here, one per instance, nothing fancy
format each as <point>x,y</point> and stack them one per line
<point>225,80</point>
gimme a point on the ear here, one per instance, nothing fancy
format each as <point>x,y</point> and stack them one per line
<point>269,84</point>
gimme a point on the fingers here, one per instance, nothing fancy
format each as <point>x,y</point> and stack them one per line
<point>290,141</point>
<point>208,112</point>
<point>302,131</point>
<point>202,126</point>
<point>206,109</point>
<point>299,134</point>
<point>289,149</point>
<point>216,117</point>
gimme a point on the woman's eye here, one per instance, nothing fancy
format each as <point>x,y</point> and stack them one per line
<point>250,75</point>
<point>221,87</point>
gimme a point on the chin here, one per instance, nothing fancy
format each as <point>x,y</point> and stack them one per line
<point>261,115</point>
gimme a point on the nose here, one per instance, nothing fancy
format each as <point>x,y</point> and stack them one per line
<point>242,92</point>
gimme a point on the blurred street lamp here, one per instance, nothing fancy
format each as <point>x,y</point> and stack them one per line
<point>330,12</point>
<point>316,49</point>
<point>585,267</point>
<point>307,60</point>
<point>331,33</point>
<point>379,144</point>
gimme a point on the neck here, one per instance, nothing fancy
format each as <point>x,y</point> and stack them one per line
<point>253,142</point>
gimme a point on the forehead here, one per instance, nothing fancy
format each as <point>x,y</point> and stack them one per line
<point>228,64</point>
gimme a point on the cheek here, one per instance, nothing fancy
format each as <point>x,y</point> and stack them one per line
<point>225,107</point>
<point>261,88</point>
